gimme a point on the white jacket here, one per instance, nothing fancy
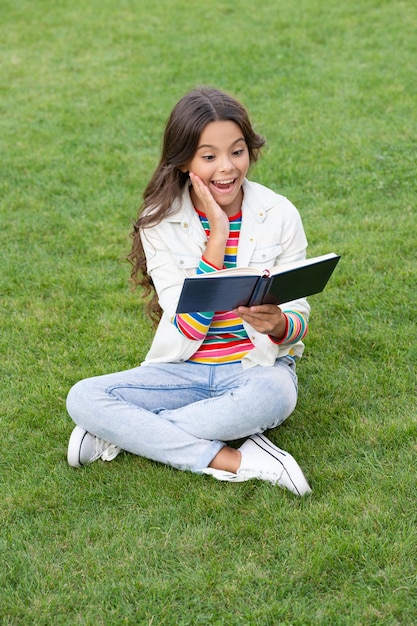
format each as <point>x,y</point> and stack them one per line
<point>271,233</point>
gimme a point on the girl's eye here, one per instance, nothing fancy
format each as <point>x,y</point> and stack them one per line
<point>208,157</point>
<point>238,152</point>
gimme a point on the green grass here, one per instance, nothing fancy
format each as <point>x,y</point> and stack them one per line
<point>85,89</point>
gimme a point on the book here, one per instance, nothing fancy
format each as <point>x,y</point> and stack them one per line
<point>225,290</point>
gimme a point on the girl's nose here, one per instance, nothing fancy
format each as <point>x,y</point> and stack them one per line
<point>226,165</point>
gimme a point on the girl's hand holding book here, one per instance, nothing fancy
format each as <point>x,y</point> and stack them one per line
<point>265,318</point>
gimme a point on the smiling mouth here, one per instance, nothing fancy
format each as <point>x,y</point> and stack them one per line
<point>223,184</point>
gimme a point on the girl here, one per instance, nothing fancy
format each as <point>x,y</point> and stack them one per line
<point>209,377</point>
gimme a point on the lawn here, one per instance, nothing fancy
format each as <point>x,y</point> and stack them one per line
<point>85,89</point>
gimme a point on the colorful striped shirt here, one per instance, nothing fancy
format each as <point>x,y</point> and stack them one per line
<point>224,337</point>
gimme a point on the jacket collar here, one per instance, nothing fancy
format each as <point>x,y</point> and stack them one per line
<point>182,208</point>
<point>257,200</point>
<point>183,213</point>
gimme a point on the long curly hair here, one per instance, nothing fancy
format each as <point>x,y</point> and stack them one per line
<point>180,142</point>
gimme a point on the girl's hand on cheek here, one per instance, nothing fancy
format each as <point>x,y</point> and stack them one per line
<point>217,218</point>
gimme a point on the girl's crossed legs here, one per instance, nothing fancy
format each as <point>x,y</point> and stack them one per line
<point>182,413</point>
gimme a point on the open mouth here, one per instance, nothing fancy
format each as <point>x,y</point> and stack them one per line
<point>224,185</point>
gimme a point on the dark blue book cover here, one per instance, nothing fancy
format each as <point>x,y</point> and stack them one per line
<point>227,289</point>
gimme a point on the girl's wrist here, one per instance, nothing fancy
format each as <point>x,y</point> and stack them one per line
<point>214,252</point>
<point>218,238</point>
<point>280,332</point>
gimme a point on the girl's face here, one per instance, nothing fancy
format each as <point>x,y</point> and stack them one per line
<point>222,162</point>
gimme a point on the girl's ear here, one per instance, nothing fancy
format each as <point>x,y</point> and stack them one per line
<point>184,169</point>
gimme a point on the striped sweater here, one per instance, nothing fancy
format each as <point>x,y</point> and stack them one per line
<point>224,337</point>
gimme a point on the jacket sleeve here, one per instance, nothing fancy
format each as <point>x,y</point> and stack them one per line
<point>196,325</point>
<point>168,266</point>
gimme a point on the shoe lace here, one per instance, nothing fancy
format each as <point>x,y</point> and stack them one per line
<point>105,450</point>
<point>262,474</point>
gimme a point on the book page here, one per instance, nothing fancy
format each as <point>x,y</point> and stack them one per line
<point>253,271</point>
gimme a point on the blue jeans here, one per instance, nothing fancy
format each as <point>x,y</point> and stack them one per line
<point>182,413</point>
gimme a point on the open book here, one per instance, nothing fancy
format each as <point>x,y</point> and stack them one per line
<point>225,290</point>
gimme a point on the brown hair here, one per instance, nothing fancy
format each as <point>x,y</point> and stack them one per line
<point>182,133</point>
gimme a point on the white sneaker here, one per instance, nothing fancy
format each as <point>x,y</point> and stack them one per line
<point>262,459</point>
<point>84,448</point>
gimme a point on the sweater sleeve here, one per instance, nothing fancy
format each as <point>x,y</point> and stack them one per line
<point>195,325</point>
<point>296,328</point>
